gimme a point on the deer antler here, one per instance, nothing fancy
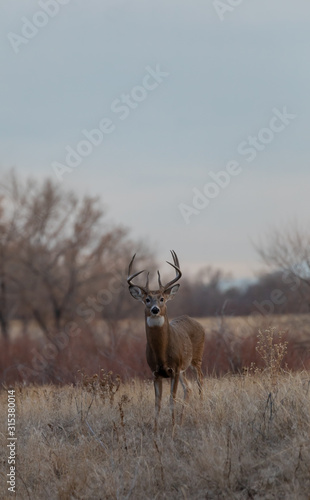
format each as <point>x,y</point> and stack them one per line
<point>176,266</point>
<point>130,277</point>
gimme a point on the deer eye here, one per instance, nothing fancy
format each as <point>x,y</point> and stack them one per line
<point>161,299</point>
<point>147,300</point>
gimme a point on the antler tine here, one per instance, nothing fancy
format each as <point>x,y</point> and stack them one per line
<point>176,266</point>
<point>175,258</point>
<point>130,265</point>
<point>159,280</point>
<point>147,281</point>
<point>130,277</point>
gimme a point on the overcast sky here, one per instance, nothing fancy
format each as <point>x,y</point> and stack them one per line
<point>178,92</point>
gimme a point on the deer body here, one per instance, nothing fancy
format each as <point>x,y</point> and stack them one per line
<point>171,347</point>
<point>174,346</point>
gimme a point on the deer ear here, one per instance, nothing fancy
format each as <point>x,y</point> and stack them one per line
<point>136,292</point>
<point>170,292</point>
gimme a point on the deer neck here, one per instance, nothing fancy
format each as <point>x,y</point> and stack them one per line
<point>157,334</point>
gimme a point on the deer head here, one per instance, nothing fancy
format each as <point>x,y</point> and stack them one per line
<point>155,300</point>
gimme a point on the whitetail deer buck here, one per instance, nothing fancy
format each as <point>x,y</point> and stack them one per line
<point>171,347</point>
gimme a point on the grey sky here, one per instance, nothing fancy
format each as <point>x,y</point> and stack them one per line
<point>223,81</point>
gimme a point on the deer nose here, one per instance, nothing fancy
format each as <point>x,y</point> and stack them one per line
<point>155,310</point>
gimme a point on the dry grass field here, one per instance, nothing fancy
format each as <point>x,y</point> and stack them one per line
<point>248,439</point>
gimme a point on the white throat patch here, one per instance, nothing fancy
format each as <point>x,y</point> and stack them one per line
<point>155,321</point>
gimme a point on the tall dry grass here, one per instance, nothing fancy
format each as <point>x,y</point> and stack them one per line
<point>247,439</point>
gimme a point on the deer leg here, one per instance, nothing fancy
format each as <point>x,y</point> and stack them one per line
<point>199,377</point>
<point>186,390</point>
<point>173,392</point>
<point>158,386</point>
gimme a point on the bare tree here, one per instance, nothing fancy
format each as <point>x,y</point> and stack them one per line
<point>55,249</point>
<point>10,219</point>
<point>4,255</point>
<point>288,250</point>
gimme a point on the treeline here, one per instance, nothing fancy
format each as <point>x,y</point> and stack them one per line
<point>63,264</point>
<point>280,292</point>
